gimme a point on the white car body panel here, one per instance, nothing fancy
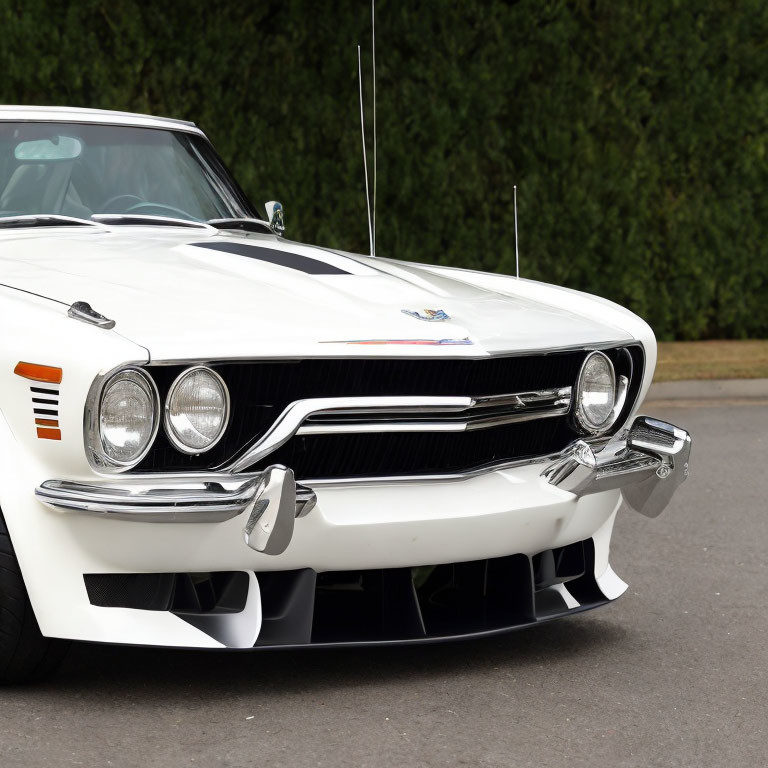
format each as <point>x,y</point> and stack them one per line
<point>174,301</point>
<point>280,312</point>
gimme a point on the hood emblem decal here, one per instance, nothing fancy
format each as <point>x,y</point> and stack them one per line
<point>428,315</point>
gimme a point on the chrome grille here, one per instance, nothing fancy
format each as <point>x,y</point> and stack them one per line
<point>356,417</point>
<point>367,415</point>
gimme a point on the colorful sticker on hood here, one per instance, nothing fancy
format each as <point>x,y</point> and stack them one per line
<point>428,315</point>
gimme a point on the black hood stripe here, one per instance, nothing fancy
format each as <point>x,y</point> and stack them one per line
<point>273,256</point>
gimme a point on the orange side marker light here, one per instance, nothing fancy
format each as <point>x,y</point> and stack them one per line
<point>45,433</point>
<point>35,372</point>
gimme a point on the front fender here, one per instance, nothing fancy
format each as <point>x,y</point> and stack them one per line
<point>37,330</point>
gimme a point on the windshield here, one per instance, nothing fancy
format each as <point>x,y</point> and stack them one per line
<point>82,170</point>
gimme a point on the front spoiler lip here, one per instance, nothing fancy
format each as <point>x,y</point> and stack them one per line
<point>434,639</point>
<point>455,637</point>
<point>648,462</point>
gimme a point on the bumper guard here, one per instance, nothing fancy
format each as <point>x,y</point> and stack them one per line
<point>648,462</point>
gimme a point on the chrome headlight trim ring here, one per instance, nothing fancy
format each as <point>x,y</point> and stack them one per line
<point>582,421</point>
<point>169,432</point>
<point>97,455</point>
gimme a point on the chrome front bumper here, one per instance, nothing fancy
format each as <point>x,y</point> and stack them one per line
<point>647,462</point>
<point>271,498</point>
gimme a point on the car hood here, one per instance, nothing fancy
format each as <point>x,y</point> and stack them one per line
<point>184,294</point>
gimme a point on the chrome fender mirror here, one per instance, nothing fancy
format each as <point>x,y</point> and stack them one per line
<point>275,217</point>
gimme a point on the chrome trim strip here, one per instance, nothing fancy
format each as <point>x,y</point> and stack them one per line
<point>381,427</point>
<point>545,399</point>
<point>223,475</point>
<point>148,220</point>
<point>622,390</point>
<point>59,219</point>
<point>288,422</point>
<point>429,426</point>
<point>201,502</point>
<point>202,499</point>
<point>561,396</point>
<point>443,355</point>
<point>296,419</point>
<point>455,477</point>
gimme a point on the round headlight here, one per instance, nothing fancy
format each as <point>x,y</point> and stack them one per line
<point>197,410</point>
<point>596,394</point>
<point>128,417</point>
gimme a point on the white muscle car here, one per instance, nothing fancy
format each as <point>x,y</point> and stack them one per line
<point>213,437</point>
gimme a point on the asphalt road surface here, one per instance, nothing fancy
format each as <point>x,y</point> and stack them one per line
<point>673,674</point>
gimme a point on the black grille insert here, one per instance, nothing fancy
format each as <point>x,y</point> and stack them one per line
<point>181,593</point>
<point>384,605</point>
<point>261,390</point>
<point>426,603</point>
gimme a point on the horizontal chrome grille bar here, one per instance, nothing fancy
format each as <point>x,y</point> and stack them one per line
<point>356,415</point>
<point>508,409</point>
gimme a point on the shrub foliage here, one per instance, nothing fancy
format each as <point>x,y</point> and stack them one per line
<point>637,132</point>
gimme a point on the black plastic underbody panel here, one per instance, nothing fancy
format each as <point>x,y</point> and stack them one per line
<point>181,593</point>
<point>302,608</point>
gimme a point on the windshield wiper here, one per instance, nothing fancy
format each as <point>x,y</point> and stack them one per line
<point>100,219</point>
<point>246,224</point>
<point>150,221</point>
<point>46,220</point>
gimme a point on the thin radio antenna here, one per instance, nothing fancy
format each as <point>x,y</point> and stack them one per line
<point>373,52</point>
<point>365,158</point>
<point>517,251</point>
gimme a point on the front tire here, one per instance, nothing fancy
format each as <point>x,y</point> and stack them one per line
<point>25,655</point>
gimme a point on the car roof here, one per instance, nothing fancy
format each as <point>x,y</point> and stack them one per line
<point>102,116</point>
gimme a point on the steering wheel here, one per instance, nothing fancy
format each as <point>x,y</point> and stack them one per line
<point>127,198</point>
<point>151,209</point>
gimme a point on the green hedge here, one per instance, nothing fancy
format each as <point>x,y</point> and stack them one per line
<point>636,131</point>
